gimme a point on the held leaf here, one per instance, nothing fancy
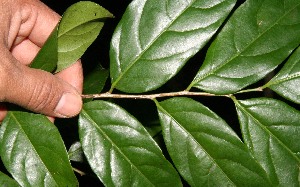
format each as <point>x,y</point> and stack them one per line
<point>286,82</point>
<point>33,152</point>
<point>154,39</point>
<point>120,150</point>
<point>205,150</point>
<point>46,59</point>
<point>271,131</point>
<point>79,27</point>
<point>256,39</point>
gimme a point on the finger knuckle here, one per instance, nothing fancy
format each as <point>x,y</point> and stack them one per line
<point>43,97</point>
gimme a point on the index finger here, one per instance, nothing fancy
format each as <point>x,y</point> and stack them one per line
<point>45,22</point>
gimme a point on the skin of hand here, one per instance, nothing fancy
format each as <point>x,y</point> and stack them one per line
<point>24,27</point>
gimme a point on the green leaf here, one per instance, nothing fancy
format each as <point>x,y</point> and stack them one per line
<point>75,152</point>
<point>6,181</point>
<point>154,39</point>
<point>205,150</point>
<point>286,82</point>
<point>95,80</point>
<point>256,39</point>
<point>120,150</point>
<point>46,59</point>
<point>79,27</point>
<point>153,130</point>
<point>271,131</point>
<point>33,152</point>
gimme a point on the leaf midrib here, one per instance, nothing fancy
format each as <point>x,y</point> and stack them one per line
<point>240,51</point>
<point>285,79</point>
<point>31,144</point>
<point>82,43</point>
<point>100,20</point>
<point>113,144</point>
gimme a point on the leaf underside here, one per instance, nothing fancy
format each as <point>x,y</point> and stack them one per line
<point>46,59</point>
<point>79,27</point>
<point>255,40</point>
<point>155,38</point>
<point>120,150</point>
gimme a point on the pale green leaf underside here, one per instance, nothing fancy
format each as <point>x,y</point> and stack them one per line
<point>79,27</point>
<point>271,131</point>
<point>6,181</point>
<point>33,151</point>
<point>258,37</point>
<point>205,150</point>
<point>155,38</point>
<point>120,150</point>
<point>46,59</point>
<point>287,81</point>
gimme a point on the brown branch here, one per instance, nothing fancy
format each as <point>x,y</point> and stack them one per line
<point>150,96</point>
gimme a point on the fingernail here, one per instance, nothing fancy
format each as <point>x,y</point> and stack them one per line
<point>69,105</point>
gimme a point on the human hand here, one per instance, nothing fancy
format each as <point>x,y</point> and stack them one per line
<point>24,27</point>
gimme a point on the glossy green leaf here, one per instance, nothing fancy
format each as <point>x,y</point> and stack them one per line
<point>286,82</point>
<point>33,152</point>
<point>120,150</point>
<point>79,27</point>
<point>155,38</point>
<point>6,181</point>
<point>271,131</point>
<point>47,58</point>
<point>256,39</point>
<point>205,150</point>
<point>75,152</point>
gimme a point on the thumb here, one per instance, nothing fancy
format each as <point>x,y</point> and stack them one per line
<point>37,90</point>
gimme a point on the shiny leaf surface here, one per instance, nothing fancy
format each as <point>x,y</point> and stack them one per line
<point>75,152</point>
<point>256,39</point>
<point>33,152</point>
<point>79,27</point>
<point>286,82</point>
<point>205,150</point>
<point>155,38</point>
<point>120,150</point>
<point>271,131</point>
